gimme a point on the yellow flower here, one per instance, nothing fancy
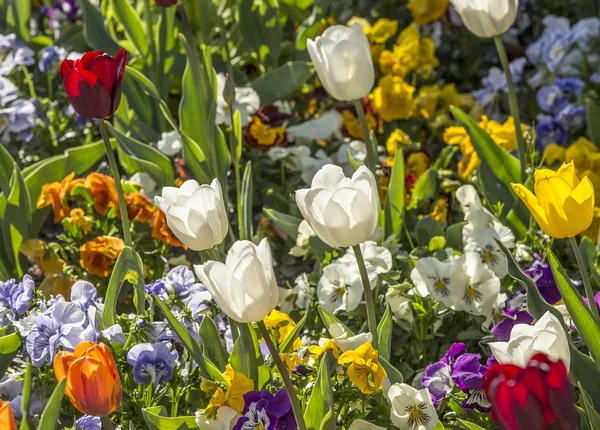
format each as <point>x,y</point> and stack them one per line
<point>417,163</point>
<point>428,99</point>
<point>425,11</point>
<point>324,346</point>
<point>554,153</point>
<point>81,222</point>
<point>364,23</point>
<point>397,138</point>
<point>234,396</point>
<point>440,211</point>
<point>282,324</point>
<point>260,136</point>
<point>579,153</point>
<point>393,99</point>
<point>563,206</point>
<point>292,360</point>
<point>382,30</point>
<point>411,52</point>
<point>352,126</point>
<point>43,256</point>
<point>365,371</point>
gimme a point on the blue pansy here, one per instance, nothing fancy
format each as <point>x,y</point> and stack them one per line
<point>572,116</point>
<point>152,362</point>
<point>551,99</point>
<point>495,82</point>
<point>88,422</point>
<point>548,130</point>
<point>52,56</point>
<point>15,297</point>
<point>84,295</point>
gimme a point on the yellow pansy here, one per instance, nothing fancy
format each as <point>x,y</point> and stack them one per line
<point>417,163</point>
<point>411,52</point>
<point>425,11</point>
<point>451,95</point>
<point>293,359</point>
<point>324,346</point>
<point>579,153</point>
<point>364,23</point>
<point>43,256</point>
<point>352,126</point>
<point>365,371</point>
<point>396,139</point>
<point>440,211</point>
<point>563,206</point>
<point>428,99</point>
<point>554,153</point>
<point>393,98</point>
<point>81,222</point>
<point>283,325</point>
<point>382,30</point>
<point>234,396</point>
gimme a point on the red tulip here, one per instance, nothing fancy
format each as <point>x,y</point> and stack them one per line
<point>537,397</point>
<point>169,3</point>
<point>93,83</point>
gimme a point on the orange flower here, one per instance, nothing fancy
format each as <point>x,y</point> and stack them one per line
<point>7,419</point>
<point>43,256</point>
<point>98,255</point>
<point>93,381</point>
<point>82,223</point>
<point>55,194</point>
<point>162,232</point>
<point>103,191</point>
<point>139,208</point>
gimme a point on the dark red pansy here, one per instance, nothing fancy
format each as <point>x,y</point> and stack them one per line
<point>537,397</point>
<point>93,83</point>
<point>169,3</point>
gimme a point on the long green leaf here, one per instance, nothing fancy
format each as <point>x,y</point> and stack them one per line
<point>213,349</point>
<point>246,356</point>
<point>51,413</point>
<point>9,348</point>
<point>395,198</point>
<point>280,83</point>
<point>319,412</point>
<point>425,190</point>
<point>94,30</point>
<point>21,13</point>
<point>384,333</point>
<point>246,203</point>
<point>260,25</point>
<point>134,30</point>
<point>292,335</point>
<point>287,223</point>
<point>157,418</point>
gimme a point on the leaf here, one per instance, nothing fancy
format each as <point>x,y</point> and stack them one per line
<point>319,412</point>
<point>9,348</point>
<point>134,29</point>
<point>27,388</point>
<point>213,349</point>
<point>287,343</point>
<point>287,223</point>
<point>579,312</point>
<point>328,318</point>
<point>21,13</point>
<point>593,416</point>
<point>395,199</point>
<point>593,120</point>
<point>428,228</point>
<point>469,425</point>
<point>157,419</point>
<point>94,29</point>
<point>425,189</point>
<point>246,356</point>
<point>384,334</point>
<point>51,413</point>
<point>246,204</point>
<point>207,368</point>
<point>259,23</point>
<point>282,82</point>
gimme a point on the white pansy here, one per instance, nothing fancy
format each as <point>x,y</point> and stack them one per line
<point>487,18</point>
<point>443,280</point>
<point>546,336</point>
<point>345,342</point>
<point>195,213</point>
<point>378,256</point>
<point>326,126</point>
<point>358,152</point>
<point>247,102</point>
<point>170,143</point>
<point>340,288</point>
<point>483,240</point>
<point>290,155</point>
<point>311,165</point>
<point>301,291</point>
<point>302,240</point>
<point>225,419</point>
<point>523,253</point>
<point>244,287</point>
<point>343,60</point>
<point>400,306</point>
<point>146,182</point>
<point>481,287</point>
<point>411,409</point>
<point>342,211</point>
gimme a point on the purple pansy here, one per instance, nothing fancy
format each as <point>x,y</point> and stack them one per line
<point>548,130</point>
<point>541,273</point>
<point>572,116</point>
<point>15,298</point>
<point>88,422</point>
<point>501,331</point>
<point>495,82</point>
<point>272,412</point>
<point>152,362</point>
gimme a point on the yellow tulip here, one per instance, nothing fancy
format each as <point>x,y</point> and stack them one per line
<point>563,206</point>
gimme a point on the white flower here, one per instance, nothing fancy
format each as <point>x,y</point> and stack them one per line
<point>326,126</point>
<point>302,239</point>
<point>301,290</point>
<point>244,287</point>
<point>487,18</point>
<point>345,343</point>
<point>546,336</point>
<point>246,101</point>
<point>364,425</point>
<point>340,287</point>
<point>378,256</point>
<point>170,143</point>
<point>480,289</point>
<point>400,306</point>
<point>358,151</point>
<point>225,419</point>
<point>523,253</point>
<point>342,211</point>
<point>146,182</point>
<point>411,408</point>
<point>292,155</point>
<point>471,206</point>
<point>444,280</point>
<point>483,241</point>
<point>342,58</point>
<point>311,165</point>
<point>195,213</point>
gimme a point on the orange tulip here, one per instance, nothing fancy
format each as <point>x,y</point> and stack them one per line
<point>93,381</point>
<point>7,419</point>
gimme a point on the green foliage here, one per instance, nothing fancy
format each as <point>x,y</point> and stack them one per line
<point>384,334</point>
<point>319,413</point>
<point>51,413</point>
<point>9,348</point>
<point>395,198</point>
<point>261,27</point>
<point>156,418</point>
<point>280,83</point>
<point>246,356</point>
<point>213,350</point>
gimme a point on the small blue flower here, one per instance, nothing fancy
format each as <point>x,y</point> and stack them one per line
<point>88,422</point>
<point>158,288</point>
<point>495,82</point>
<point>572,116</point>
<point>20,116</point>
<point>8,91</point>
<point>583,33</point>
<point>52,56</point>
<point>15,52</point>
<point>84,295</point>
<point>553,27</point>
<point>152,362</point>
<point>181,281</point>
<point>551,99</point>
<point>15,298</point>
<point>573,86</point>
<point>548,131</point>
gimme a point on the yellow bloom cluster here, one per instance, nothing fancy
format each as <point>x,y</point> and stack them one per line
<point>503,134</point>
<point>378,33</point>
<point>425,11</point>
<point>393,98</point>
<point>411,52</point>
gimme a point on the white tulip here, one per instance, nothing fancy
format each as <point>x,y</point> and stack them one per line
<point>342,58</point>
<point>411,408</point>
<point>487,18</point>
<point>244,287</point>
<point>342,211</point>
<point>546,336</point>
<point>195,213</point>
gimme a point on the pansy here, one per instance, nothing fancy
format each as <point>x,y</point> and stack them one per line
<point>502,330</point>
<point>263,410</point>
<point>88,422</point>
<point>344,341</point>
<point>572,116</point>
<point>181,281</point>
<point>247,102</point>
<point>340,287</point>
<point>8,91</point>
<point>15,297</point>
<point>365,370</point>
<point>495,82</point>
<point>14,53</point>
<point>541,273</point>
<point>152,362</point>
<point>378,256</point>
<point>170,143</point>
<point>485,242</point>
<point>52,56</point>
<point>411,408</point>
<point>443,280</point>
<point>21,116</point>
<point>327,125</point>
<point>478,294</point>
<point>84,295</point>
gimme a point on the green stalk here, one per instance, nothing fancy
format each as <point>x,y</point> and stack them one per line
<point>112,162</point>
<point>587,283</point>
<point>233,144</point>
<point>106,424</point>
<point>187,30</point>
<point>285,375</point>
<point>25,424</point>
<point>371,147</point>
<point>368,295</point>
<point>514,107</point>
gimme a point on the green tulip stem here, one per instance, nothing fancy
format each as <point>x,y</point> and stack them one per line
<point>114,168</point>
<point>514,107</point>
<point>368,295</point>
<point>285,375</point>
<point>371,146</point>
<point>587,283</point>
<point>106,424</point>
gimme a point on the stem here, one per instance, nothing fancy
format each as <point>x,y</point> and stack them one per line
<point>514,106</point>
<point>586,278</point>
<point>117,177</point>
<point>371,157</point>
<point>106,424</point>
<point>233,143</point>
<point>285,375</point>
<point>28,81</point>
<point>25,424</point>
<point>368,295</point>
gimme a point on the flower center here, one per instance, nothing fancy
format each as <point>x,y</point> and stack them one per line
<point>417,416</point>
<point>472,295</point>
<point>488,256</point>
<point>441,285</point>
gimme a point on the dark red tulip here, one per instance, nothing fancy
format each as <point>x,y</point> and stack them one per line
<point>93,83</point>
<point>535,398</point>
<point>169,3</point>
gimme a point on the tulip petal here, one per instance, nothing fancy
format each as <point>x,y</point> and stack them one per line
<point>65,67</point>
<point>105,68</point>
<point>62,363</point>
<point>579,207</point>
<point>534,207</point>
<point>92,388</point>
<point>569,174</point>
<point>74,77</point>
<point>87,59</point>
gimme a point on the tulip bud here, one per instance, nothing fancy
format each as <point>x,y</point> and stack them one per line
<point>342,211</point>
<point>487,18</point>
<point>93,83</point>
<point>244,287</point>
<point>342,58</point>
<point>195,213</point>
<point>93,381</point>
<point>7,419</point>
<point>229,90</point>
